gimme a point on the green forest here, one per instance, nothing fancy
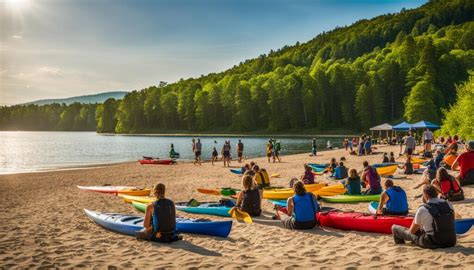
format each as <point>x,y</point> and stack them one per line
<point>413,65</point>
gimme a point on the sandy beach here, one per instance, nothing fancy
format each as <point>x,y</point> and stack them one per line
<point>43,224</point>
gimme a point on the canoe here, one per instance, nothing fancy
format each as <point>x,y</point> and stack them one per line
<point>388,164</point>
<point>386,171</point>
<point>106,189</point>
<point>350,198</point>
<point>462,225</point>
<point>353,221</point>
<point>219,191</point>
<point>142,199</point>
<point>156,161</point>
<point>129,225</point>
<point>285,193</point>
<point>212,208</point>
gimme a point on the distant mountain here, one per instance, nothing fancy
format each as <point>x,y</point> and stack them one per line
<point>88,99</point>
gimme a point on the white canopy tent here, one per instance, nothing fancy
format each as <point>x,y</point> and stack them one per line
<point>383,127</point>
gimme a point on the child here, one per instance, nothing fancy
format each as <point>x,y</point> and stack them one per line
<point>385,158</point>
<point>214,155</point>
<point>340,171</point>
<point>332,165</point>
<point>308,176</point>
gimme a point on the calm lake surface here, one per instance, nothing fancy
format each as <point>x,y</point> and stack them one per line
<point>36,151</point>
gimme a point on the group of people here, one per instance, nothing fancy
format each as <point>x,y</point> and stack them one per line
<point>433,225</point>
<point>273,150</point>
<point>363,145</point>
<point>225,152</point>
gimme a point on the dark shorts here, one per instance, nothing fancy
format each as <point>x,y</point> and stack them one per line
<point>371,191</point>
<point>276,153</point>
<point>226,154</point>
<point>239,153</point>
<point>269,154</point>
<point>427,141</point>
<point>197,153</point>
<point>409,151</point>
<point>292,224</point>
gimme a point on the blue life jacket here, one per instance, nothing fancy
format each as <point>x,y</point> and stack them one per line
<point>304,207</point>
<point>340,172</point>
<point>397,200</point>
<point>353,186</point>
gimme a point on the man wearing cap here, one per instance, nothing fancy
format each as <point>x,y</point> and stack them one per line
<point>465,162</point>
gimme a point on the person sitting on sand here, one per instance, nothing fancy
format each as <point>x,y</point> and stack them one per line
<point>160,219</point>
<point>371,180</point>
<point>249,199</point>
<point>407,166</point>
<point>433,225</point>
<point>385,158</point>
<point>465,163</point>
<point>301,209</point>
<point>261,177</point>
<point>352,184</point>
<point>340,172</point>
<point>393,201</point>
<point>308,176</point>
<point>392,158</point>
<point>447,186</point>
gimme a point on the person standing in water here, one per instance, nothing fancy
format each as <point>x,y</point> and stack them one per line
<point>240,150</point>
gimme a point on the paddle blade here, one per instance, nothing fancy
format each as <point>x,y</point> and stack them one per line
<point>240,215</point>
<point>209,191</point>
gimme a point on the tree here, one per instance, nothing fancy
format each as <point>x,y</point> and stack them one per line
<point>420,104</point>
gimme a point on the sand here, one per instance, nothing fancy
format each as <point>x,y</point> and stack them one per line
<point>42,224</point>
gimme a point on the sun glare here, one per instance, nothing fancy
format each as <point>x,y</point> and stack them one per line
<point>16,4</point>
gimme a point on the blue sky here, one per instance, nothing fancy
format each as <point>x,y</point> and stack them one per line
<point>60,48</point>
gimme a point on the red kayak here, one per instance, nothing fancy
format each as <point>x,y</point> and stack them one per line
<point>353,221</point>
<point>156,161</point>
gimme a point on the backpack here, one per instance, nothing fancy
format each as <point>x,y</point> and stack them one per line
<point>164,221</point>
<point>443,223</point>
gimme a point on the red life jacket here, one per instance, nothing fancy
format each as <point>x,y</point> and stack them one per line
<point>448,185</point>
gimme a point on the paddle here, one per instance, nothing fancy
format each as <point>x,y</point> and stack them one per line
<point>240,215</point>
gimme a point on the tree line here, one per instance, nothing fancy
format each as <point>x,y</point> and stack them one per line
<point>393,67</point>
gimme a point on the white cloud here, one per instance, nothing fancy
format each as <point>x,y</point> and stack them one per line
<point>17,37</point>
<point>50,71</point>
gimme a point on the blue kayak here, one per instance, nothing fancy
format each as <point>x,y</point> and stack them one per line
<point>214,208</point>
<point>281,203</point>
<point>236,171</point>
<point>129,225</point>
<point>462,225</point>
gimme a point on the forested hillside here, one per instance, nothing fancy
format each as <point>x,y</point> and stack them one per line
<point>395,66</point>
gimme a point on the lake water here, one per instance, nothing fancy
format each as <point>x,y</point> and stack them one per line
<point>36,151</point>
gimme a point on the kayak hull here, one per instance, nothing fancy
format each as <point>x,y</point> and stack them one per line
<point>353,221</point>
<point>142,199</point>
<point>386,171</point>
<point>106,189</point>
<point>332,190</point>
<point>350,198</point>
<point>285,193</point>
<point>156,161</point>
<point>203,209</point>
<point>129,225</point>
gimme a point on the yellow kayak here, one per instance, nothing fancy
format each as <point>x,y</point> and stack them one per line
<point>134,192</point>
<point>333,190</point>
<point>386,171</point>
<point>141,199</point>
<point>418,160</point>
<point>285,193</point>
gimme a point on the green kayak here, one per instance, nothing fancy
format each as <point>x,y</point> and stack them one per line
<point>351,198</point>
